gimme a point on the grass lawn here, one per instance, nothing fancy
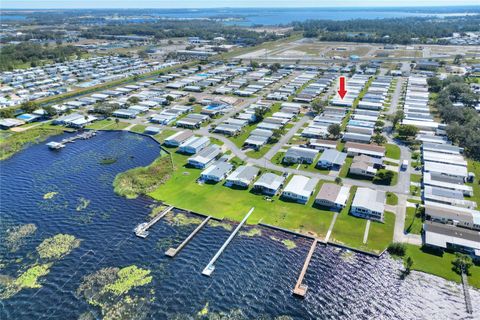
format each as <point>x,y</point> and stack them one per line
<point>380,234</point>
<point>182,190</point>
<point>346,166</point>
<point>138,128</point>
<point>260,153</point>
<point>439,264</point>
<point>108,125</point>
<point>392,199</point>
<point>392,151</point>
<point>416,178</point>
<point>474,166</point>
<point>349,230</point>
<point>413,223</point>
<point>160,137</point>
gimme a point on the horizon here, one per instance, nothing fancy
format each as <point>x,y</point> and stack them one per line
<point>228,4</point>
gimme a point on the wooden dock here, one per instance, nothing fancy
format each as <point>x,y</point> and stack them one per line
<point>142,229</point>
<point>172,252</point>
<point>468,300</point>
<point>211,265</point>
<point>83,136</point>
<point>300,288</point>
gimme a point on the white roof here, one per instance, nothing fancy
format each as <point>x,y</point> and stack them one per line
<point>300,185</point>
<point>373,200</point>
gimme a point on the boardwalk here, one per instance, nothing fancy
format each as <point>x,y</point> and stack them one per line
<point>142,229</point>
<point>300,288</point>
<point>211,265</point>
<point>172,252</point>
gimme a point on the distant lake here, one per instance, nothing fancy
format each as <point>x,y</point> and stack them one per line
<point>274,16</point>
<point>11,18</point>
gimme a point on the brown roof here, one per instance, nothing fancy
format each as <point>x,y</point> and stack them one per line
<point>329,191</point>
<point>364,146</point>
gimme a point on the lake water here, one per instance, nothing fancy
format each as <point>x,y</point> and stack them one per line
<point>274,16</point>
<point>253,278</point>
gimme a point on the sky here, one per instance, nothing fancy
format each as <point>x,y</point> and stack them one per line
<point>47,4</point>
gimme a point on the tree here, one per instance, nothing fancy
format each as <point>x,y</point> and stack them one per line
<point>275,66</point>
<point>384,177</point>
<point>397,249</point>
<point>318,105</point>
<point>133,100</point>
<point>277,134</point>
<point>399,115</point>
<point>457,59</point>
<point>334,129</point>
<point>408,265</point>
<point>50,111</point>
<point>462,263</point>
<point>260,114</point>
<point>29,106</point>
<point>379,139</point>
<point>434,84</point>
<point>338,180</point>
<point>254,64</point>
<point>192,99</point>
<point>117,121</point>
<point>407,131</point>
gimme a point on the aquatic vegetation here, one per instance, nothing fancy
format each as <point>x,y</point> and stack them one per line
<point>126,308</point>
<point>164,244</point>
<point>108,288</point>
<point>347,256</point>
<point>204,311</point>
<point>83,204</point>
<point>128,278</point>
<point>108,160</point>
<point>156,210</point>
<point>57,246</point>
<point>251,232</point>
<point>224,225</point>
<point>143,180</point>
<point>49,195</point>
<point>27,280</point>
<point>181,219</point>
<point>289,244</point>
<point>15,237</point>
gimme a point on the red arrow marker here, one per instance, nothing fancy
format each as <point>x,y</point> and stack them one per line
<point>342,91</point>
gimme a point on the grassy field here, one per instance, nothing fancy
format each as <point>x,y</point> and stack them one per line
<point>413,223</point>
<point>138,128</point>
<point>108,124</point>
<point>433,262</point>
<point>416,178</point>
<point>346,166</point>
<point>392,151</point>
<point>392,199</point>
<point>16,141</point>
<point>222,202</point>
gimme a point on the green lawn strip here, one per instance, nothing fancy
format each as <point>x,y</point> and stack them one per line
<point>138,128</point>
<point>222,202</point>
<point>260,153</point>
<point>474,166</point>
<point>392,199</point>
<point>439,264</point>
<point>413,223</point>
<point>100,124</point>
<point>380,234</point>
<point>349,230</point>
<point>416,178</point>
<point>392,151</point>
<point>346,166</point>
